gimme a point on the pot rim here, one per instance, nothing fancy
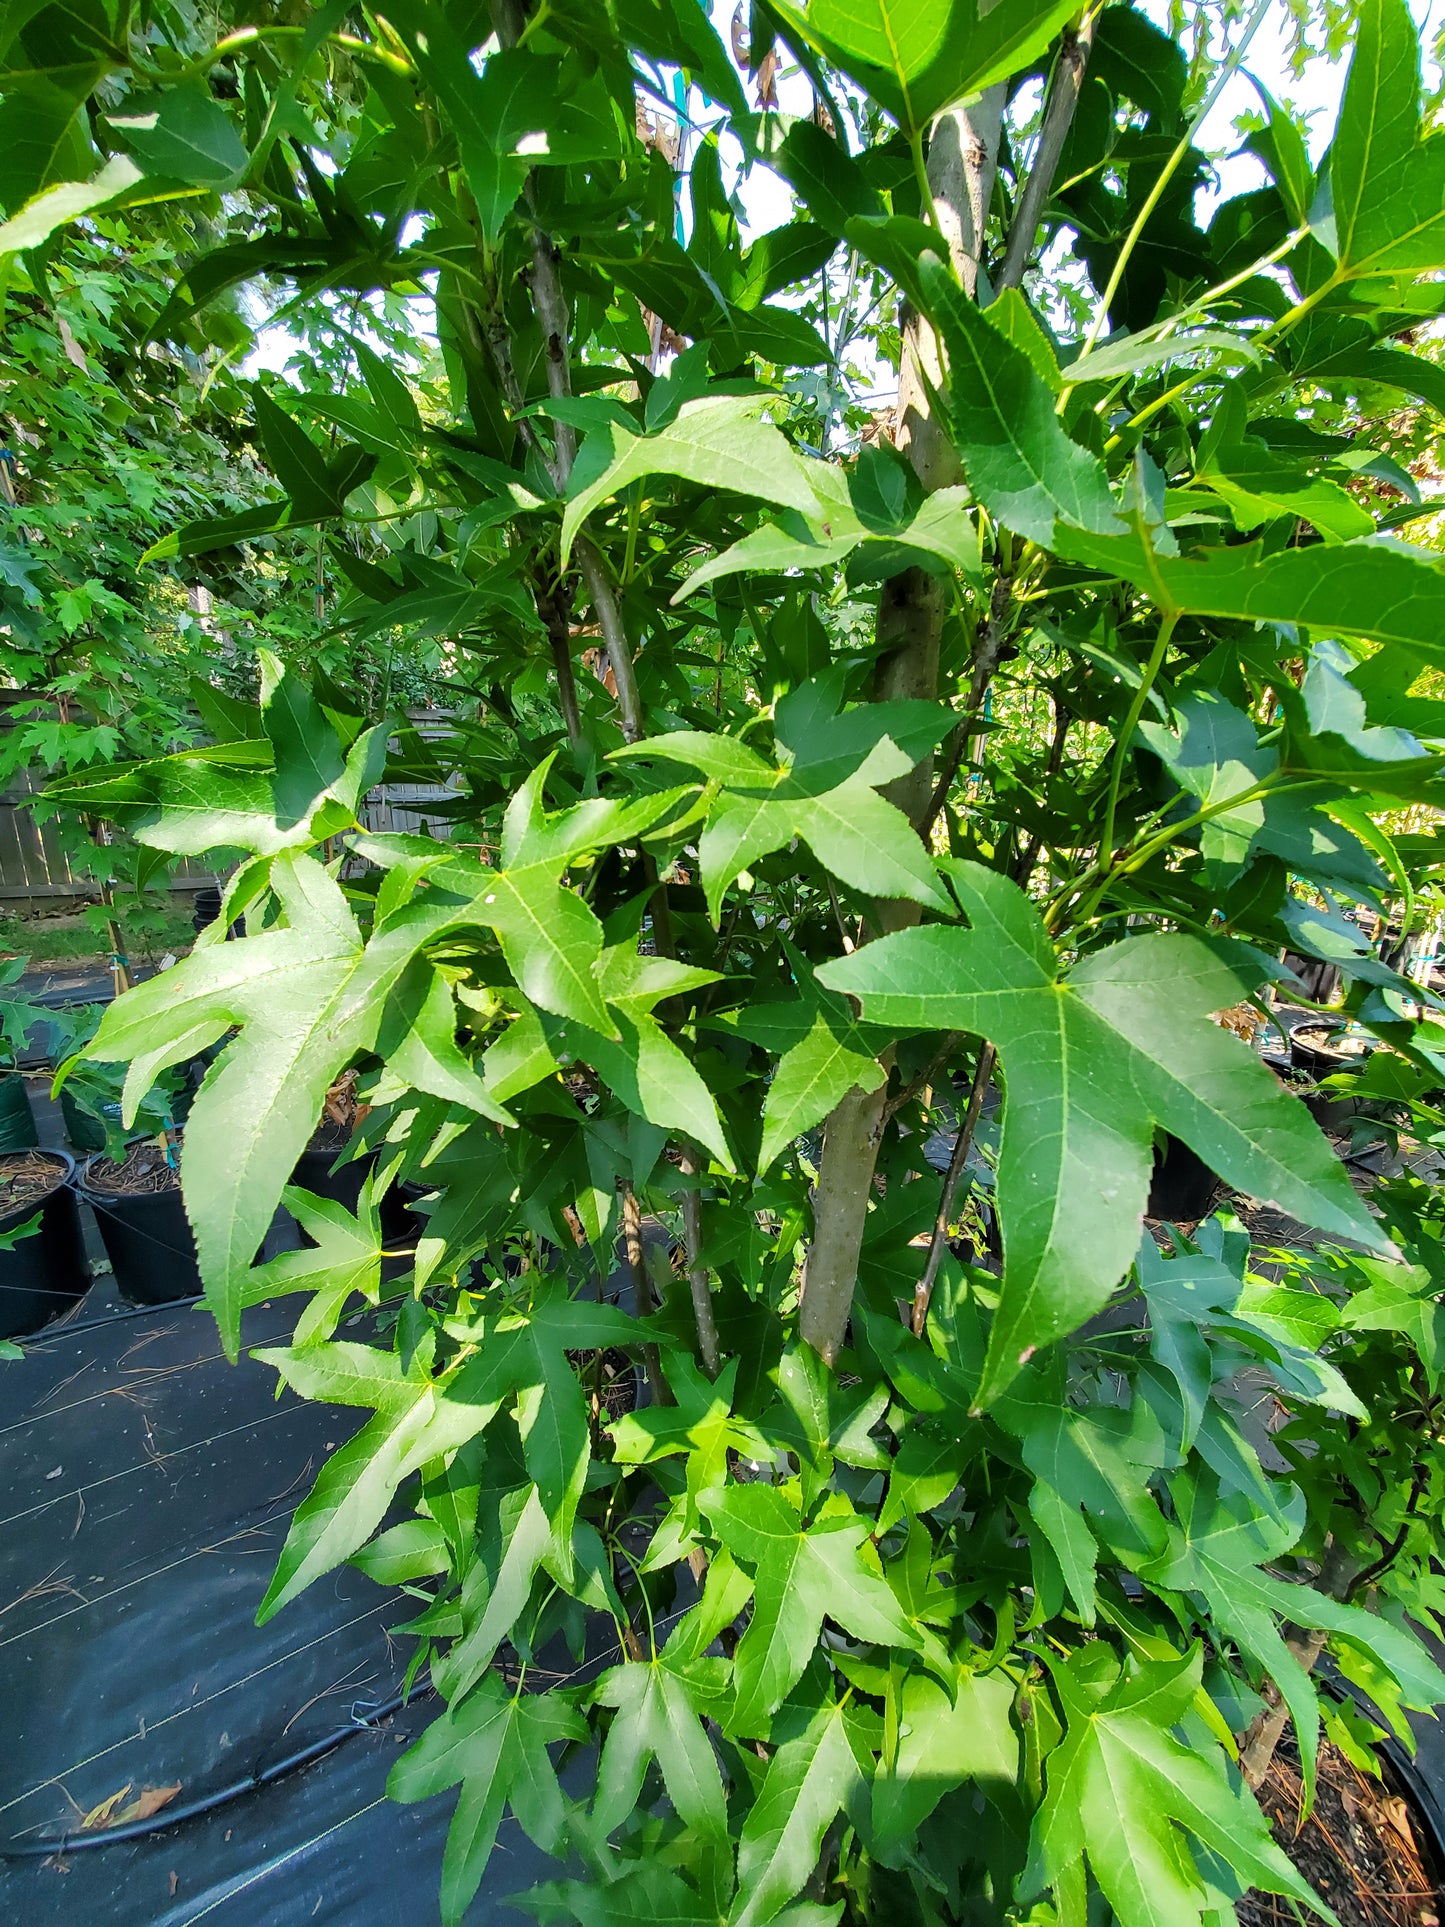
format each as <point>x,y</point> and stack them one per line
<point>89,1190</point>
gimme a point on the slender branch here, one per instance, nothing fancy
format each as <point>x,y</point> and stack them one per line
<point>1166,175</point>
<point>635,1254</point>
<point>697,1277</point>
<point>614,634</point>
<point>1395,1546</point>
<point>1064,90</point>
<point>1126,734</point>
<point>988,652</point>
<point>553,606</point>
<point>963,1144</point>
<point>924,1078</point>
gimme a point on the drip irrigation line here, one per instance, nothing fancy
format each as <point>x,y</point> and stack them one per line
<point>48,1333</point>
<point>168,1817</point>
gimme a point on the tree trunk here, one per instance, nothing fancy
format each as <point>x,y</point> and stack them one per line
<point>1257,1744</point>
<point>962,154</point>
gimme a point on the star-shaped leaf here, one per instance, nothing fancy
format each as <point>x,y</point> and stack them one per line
<point>823,789</point>
<point>344,1258</point>
<point>1402,1298</point>
<point>1092,1063</point>
<point>1220,1549</point>
<point>416,1418</point>
<point>494,1745</point>
<point>804,1574</point>
<point>655,1718</point>
<point>700,1425</point>
<point>1121,1791</point>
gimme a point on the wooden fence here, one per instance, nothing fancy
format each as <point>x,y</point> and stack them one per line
<point>35,868</point>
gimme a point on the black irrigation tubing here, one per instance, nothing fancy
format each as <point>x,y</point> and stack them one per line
<point>49,1333</point>
<point>177,1816</point>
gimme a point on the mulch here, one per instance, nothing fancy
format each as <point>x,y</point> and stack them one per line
<point>26,1177</point>
<point>146,1169</point>
<point>1364,1849</point>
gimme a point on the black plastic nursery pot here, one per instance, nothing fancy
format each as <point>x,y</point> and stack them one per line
<point>17,1121</point>
<point>1318,1049</point>
<point>314,1173</point>
<point>44,1275</point>
<point>146,1233</point>
<point>1182,1187</point>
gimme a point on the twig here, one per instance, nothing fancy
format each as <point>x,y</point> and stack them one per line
<point>922,1081</point>
<point>1024,869</point>
<point>923,1290</point>
<point>1395,1546</point>
<point>636,1257</point>
<point>697,1278</point>
<point>1064,90</point>
<point>988,650</point>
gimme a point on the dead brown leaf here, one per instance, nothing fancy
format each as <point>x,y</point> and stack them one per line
<point>149,1800</point>
<point>110,1812</point>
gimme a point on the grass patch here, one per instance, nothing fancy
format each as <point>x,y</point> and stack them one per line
<point>78,936</point>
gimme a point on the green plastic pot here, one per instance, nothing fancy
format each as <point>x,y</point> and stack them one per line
<point>18,1130</point>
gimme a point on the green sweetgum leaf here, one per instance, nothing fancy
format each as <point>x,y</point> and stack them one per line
<point>822,789</point>
<point>1092,1064</point>
<point>345,1260</point>
<point>1405,1299</point>
<point>1093,1468</point>
<point>822,1055</point>
<point>1258,483</point>
<point>717,441</point>
<point>522,1356</point>
<point>417,1418</point>
<point>700,1425</point>
<point>804,1574</point>
<point>942,528</point>
<point>1380,589</point>
<point>654,1717</point>
<point>307,997</point>
<point>523,110</point>
<point>809,1780</point>
<point>1387,186</point>
<point>183,134</point>
<point>528,1544</point>
<point>916,57</point>
<point>1021,464</point>
<point>947,1740</point>
<point>1122,1791</point>
<point>642,1066</point>
<point>1220,1549</point>
<point>494,1745</point>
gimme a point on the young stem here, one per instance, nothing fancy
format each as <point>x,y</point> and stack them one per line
<point>1126,734</point>
<point>697,1277</point>
<point>1166,174</point>
<point>963,1144</point>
